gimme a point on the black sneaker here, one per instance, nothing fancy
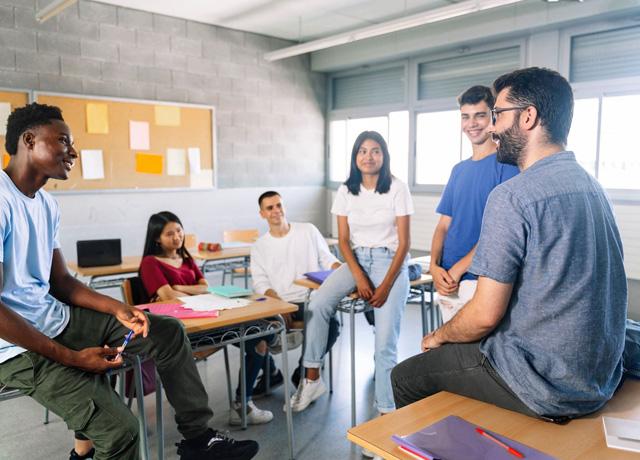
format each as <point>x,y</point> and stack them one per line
<point>215,445</point>
<point>295,378</point>
<point>260,390</point>
<point>73,455</point>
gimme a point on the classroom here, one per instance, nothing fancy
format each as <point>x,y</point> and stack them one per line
<point>202,130</point>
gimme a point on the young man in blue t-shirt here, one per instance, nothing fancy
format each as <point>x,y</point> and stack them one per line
<point>462,204</point>
<point>58,337</point>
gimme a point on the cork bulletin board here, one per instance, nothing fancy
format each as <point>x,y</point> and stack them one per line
<point>128,145</point>
<point>9,100</point>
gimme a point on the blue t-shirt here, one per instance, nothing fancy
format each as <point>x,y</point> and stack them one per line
<point>551,232</point>
<point>29,230</point>
<point>464,199</point>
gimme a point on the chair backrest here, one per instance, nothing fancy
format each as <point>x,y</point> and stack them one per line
<point>190,241</point>
<point>133,291</point>
<point>245,236</point>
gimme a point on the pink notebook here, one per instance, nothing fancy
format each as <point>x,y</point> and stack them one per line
<point>177,311</point>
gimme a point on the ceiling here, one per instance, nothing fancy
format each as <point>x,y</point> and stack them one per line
<point>297,20</point>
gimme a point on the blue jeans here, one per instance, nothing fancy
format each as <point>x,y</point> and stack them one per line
<point>375,262</point>
<point>254,361</point>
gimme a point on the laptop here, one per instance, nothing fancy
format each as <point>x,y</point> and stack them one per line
<point>98,253</point>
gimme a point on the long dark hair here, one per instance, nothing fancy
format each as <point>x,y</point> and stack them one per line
<point>355,176</point>
<point>154,230</point>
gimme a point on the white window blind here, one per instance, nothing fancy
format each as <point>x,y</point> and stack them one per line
<point>605,55</point>
<point>384,86</point>
<point>450,77</point>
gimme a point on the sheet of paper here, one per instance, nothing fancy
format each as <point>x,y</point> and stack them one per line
<point>138,135</point>
<point>194,160</point>
<point>176,162</point>
<point>206,302</point>
<point>5,111</point>
<point>97,118</point>
<point>148,163</point>
<point>622,433</point>
<point>167,115</point>
<point>92,164</point>
<point>204,179</point>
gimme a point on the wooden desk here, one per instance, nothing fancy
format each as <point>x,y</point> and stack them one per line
<point>582,438</point>
<point>226,260</point>
<point>129,265</point>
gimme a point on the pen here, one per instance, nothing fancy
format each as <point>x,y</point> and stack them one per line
<point>127,339</point>
<point>260,299</point>
<point>511,450</point>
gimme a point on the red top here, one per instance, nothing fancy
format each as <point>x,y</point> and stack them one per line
<point>155,274</point>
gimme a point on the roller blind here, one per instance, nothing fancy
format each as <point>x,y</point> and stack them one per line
<point>385,86</point>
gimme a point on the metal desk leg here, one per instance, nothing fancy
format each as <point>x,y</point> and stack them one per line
<point>243,383</point>
<point>159,421</point>
<point>246,272</point>
<point>425,326</point>
<point>137,373</point>
<point>352,315</point>
<point>226,367</point>
<point>287,397</point>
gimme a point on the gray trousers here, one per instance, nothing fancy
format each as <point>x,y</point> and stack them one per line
<point>457,368</point>
<point>86,401</point>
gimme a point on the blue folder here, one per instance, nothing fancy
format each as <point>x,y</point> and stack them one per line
<point>318,277</point>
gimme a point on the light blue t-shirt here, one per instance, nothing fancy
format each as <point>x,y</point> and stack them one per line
<point>550,231</point>
<point>464,199</point>
<point>29,229</point>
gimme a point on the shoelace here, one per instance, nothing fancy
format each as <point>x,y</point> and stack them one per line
<point>221,436</point>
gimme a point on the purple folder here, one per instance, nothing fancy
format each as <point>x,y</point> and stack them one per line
<point>318,277</point>
<point>453,438</point>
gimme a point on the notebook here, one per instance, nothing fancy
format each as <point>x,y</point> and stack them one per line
<point>622,434</point>
<point>229,291</point>
<point>318,277</point>
<point>453,438</point>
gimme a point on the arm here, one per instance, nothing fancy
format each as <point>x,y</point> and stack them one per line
<point>69,290</point>
<point>365,289</point>
<point>445,284</point>
<point>326,259</point>
<point>182,289</point>
<point>477,318</point>
<point>259,276</point>
<point>462,266</point>
<point>404,241</point>
<point>14,329</point>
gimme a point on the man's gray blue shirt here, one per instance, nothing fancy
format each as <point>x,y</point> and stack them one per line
<point>550,232</point>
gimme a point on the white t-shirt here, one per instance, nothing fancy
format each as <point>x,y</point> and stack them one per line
<point>277,262</point>
<point>372,216</point>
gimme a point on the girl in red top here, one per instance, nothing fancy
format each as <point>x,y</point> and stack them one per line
<point>168,271</point>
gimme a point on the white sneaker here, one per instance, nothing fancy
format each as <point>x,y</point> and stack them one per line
<point>294,340</point>
<point>255,416</point>
<point>307,392</point>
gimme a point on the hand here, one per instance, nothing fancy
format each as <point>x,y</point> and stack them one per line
<point>288,319</point>
<point>380,296</point>
<point>363,284</point>
<point>456,272</point>
<point>445,284</point>
<point>133,319</point>
<point>430,341</point>
<point>96,359</point>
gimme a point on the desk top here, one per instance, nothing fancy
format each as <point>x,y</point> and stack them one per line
<point>130,264</point>
<point>230,253</point>
<point>254,311</point>
<point>582,438</point>
<point>304,282</point>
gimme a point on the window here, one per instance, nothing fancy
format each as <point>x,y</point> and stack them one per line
<point>383,86</point>
<point>583,137</point>
<point>438,146</point>
<point>394,128</point>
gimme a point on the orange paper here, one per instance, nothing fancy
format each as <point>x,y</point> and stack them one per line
<point>148,163</point>
<point>5,160</point>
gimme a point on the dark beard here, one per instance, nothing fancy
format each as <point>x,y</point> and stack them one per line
<point>511,145</point>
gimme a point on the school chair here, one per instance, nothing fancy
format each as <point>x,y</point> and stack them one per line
<point>238,236</point>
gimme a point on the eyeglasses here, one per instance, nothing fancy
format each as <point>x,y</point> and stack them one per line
<point>496,111</point>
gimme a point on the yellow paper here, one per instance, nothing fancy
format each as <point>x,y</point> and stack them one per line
<point>97,118</point>
<point>148,163</point>
<point>167,115</point>
<point>5,160</point>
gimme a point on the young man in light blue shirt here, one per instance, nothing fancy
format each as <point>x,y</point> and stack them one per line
<point>544,332</point>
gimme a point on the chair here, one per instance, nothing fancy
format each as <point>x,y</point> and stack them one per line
<point>238,236</point>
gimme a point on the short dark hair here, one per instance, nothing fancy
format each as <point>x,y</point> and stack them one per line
<point>265,195</point>
<point>548,91</point>
<point>477,94</point>
<point>24,118</point>
<point>355,176</point>
<point>155,226</point>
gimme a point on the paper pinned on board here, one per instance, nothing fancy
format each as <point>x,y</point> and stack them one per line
<point>194,160</point>
<point>92,164</point>
<point>148,163</point>
<point>204,179</point>
<point>167,115</point>
<point>5,111</point>
<point>97,118</point>
<point>176,162</point>
<point>138,135</point>
<point>206,302</point>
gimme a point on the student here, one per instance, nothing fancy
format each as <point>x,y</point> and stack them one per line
<point>462,204</point>
<point>53,329</point>
<point>281,256</point>
<point>168,271</point>
<point>373,210</point>
<point>544,332</point>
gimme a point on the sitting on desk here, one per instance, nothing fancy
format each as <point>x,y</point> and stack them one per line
<point>544,332</point>
<point>168,271</point>
<point>281,256</point>
<point>53,329</point>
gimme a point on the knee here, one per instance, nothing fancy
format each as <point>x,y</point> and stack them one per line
<point>121,439</point>
<point>261,347</point>
<point>167,329</point>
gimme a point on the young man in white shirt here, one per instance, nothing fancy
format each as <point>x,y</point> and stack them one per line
<point>281,256</point>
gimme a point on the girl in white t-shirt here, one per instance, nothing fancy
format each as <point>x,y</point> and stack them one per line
<point>373,210</point>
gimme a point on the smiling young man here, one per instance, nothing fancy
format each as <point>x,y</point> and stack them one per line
<point>544,333</point>
<point>462,204</point>
<point>58,337</point>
